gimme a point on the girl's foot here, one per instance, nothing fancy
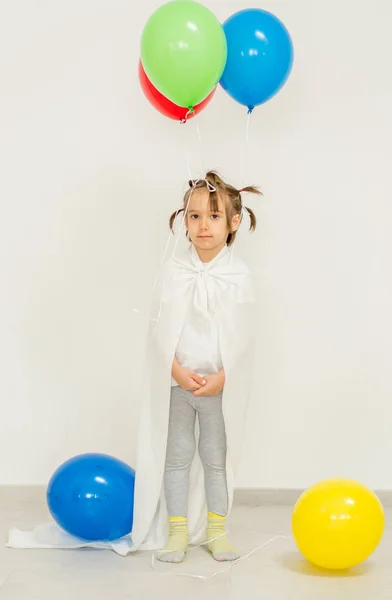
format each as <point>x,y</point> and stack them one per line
<point>177,544</point>
<point>218,544</point>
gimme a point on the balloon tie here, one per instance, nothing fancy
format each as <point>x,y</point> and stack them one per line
<point>191,111</point>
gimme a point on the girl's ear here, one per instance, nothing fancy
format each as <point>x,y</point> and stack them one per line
<point>235,222</point>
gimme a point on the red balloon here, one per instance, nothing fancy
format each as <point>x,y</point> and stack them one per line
<point>166,106</point>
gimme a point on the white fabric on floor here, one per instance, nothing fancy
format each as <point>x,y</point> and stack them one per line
<point>50,535</point>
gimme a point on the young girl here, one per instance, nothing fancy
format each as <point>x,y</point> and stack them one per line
<point>199,358</point>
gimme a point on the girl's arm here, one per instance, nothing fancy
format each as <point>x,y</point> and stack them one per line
<point>175,368</point>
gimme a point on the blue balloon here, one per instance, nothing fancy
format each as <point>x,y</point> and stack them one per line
<point>91,497</point>
<point>260,56</point>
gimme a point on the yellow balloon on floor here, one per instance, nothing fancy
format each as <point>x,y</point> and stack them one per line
<point>338,523</point>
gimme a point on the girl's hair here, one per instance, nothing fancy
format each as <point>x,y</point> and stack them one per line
<point>228,194</point>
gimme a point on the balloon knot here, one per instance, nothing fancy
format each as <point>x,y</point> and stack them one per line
<point>250,109</point>
<point>191,110</point>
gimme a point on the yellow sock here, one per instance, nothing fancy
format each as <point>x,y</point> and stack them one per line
<point>218,544</point>
<point>177,544</point>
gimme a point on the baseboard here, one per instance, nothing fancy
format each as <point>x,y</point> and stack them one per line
<point>266,497</point>
<point>242,496</point>
<point>286,497</point>
<point>22,494</point>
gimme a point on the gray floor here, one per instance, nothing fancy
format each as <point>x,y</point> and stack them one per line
<point>275,572</point>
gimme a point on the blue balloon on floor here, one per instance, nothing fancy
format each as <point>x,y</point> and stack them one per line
<point>91,497</point>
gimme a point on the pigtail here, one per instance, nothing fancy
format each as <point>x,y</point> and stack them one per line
<point>173,218</point>
<point>251,189</point>
<point>252,218</point>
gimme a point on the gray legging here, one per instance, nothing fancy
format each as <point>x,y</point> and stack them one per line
<point>181,446</point>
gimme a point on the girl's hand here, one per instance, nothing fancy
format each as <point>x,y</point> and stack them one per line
<point>189,380</point>
<point>214,385</point>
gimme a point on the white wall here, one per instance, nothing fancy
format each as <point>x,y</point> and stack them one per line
<point>89,174</point>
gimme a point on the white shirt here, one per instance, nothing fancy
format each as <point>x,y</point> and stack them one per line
<point>198,347</point>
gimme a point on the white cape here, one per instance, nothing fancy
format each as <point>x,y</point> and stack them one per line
<point>224,286</point>
<point>51,536</point>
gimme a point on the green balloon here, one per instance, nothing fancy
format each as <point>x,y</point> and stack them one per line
<point>184,51</point>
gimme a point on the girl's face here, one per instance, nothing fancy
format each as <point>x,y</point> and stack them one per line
<point>208,230</point>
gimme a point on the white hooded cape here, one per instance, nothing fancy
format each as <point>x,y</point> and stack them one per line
<point>224,287</point>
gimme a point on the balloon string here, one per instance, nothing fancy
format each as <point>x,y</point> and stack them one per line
<point>245,156</point>
<point>247,127</point>
<point>188,166</point>
<point>185,142</point>
<point>182,224</point>
<point>177,239</point>
<point>176,234</point>
<point>224,570</point>
<point>200,146</point>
